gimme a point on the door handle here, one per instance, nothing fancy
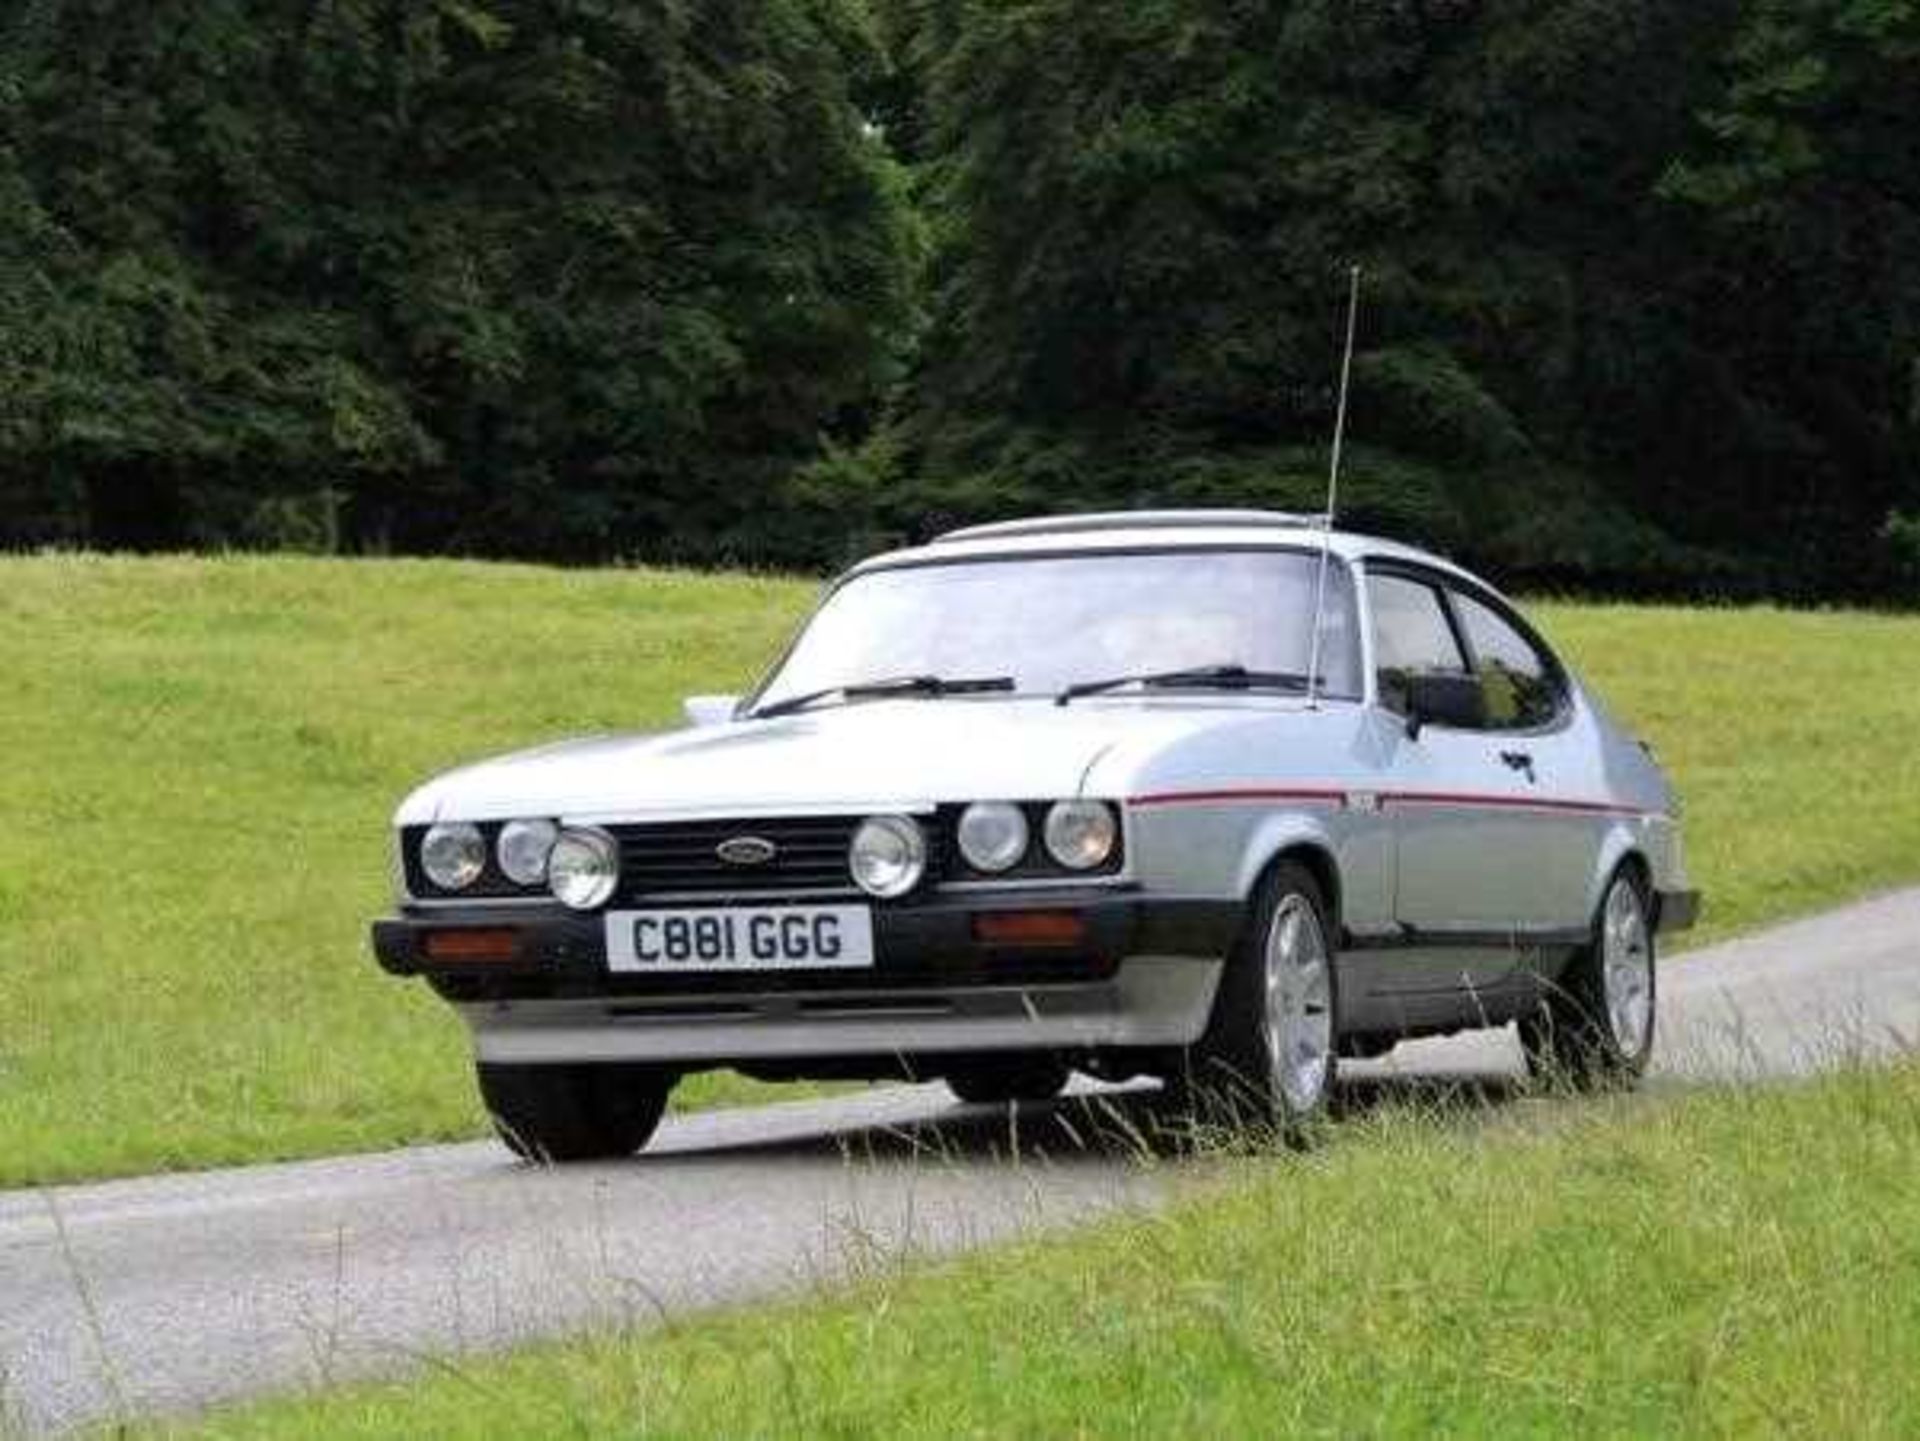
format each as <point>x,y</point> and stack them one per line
<point>1521,761</point>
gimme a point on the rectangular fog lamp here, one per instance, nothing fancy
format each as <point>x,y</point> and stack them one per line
<point>1030,928</point>
<point>472,944</point>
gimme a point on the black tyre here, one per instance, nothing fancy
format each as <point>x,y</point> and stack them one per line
<point>1268,1055</point>
<point>1014,1078</point>
<point>555,1114</point>
<point>1595,1028</point>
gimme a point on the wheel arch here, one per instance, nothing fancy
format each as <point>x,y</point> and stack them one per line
<point>1316,857</point>
<point>1233,1054</point>
<point>1621,850</point>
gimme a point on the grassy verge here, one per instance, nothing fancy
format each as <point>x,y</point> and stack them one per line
<point>201,757</point>
<point>1789,733</point>
<point>1723,1263</point>
<point>201,762</point>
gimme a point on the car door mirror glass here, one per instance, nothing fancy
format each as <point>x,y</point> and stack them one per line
<point>1445,699</point>
<point>710,710</point>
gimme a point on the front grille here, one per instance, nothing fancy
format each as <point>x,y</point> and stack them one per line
<point>682,857</point>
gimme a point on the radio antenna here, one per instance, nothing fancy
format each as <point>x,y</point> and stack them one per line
<point>1333,488</point>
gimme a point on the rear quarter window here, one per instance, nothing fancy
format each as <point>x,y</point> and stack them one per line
<point>1521,685</point>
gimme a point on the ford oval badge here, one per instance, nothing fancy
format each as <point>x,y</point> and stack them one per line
<point>746,850</point>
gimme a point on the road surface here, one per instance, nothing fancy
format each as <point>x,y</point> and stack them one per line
<point>131,1298</point>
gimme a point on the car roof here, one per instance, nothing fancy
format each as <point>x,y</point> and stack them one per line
<point>1155,530</point>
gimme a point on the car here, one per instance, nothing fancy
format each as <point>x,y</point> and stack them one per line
<point>1219,797</point>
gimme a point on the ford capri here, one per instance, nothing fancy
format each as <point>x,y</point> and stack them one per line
<point>1217,797</point>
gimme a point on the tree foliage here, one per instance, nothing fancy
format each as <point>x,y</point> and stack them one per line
<point>776,279</point>
<point>1806,292</point>
<point>562,278</point>
<point>1573,363</point>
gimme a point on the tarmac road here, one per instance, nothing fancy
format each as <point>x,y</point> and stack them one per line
<point>137,1297</point>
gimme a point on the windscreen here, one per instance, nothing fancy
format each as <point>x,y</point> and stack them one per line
<point>1051,622</point>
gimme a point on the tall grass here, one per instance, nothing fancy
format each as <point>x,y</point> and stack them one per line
<point>1725,1263</point>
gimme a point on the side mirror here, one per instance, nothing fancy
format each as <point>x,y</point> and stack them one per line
<point>1442,698</point>
<point>710,710</point>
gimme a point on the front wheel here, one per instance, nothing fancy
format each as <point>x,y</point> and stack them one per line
<point>556,1114</point>
<point>1595,1027</point>
<point>1268,1053</point>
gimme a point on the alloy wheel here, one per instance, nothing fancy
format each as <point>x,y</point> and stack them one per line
<point>1626,969</point>
<point>1299,987</point>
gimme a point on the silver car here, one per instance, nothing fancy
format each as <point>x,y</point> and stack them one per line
<point>1218,797</point>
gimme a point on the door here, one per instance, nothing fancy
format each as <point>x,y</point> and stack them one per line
<point>1486,845</point>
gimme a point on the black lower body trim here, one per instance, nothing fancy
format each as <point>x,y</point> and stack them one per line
<point>1517,938</point>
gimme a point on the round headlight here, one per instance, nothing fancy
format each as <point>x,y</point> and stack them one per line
<point>888,855</point>
<point>583,868</point>
<point>993,836</point>
<point>523,848</point>
<point>453,856</point>
<point>1080,834</point>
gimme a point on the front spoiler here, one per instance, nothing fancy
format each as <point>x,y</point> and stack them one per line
<point>1150,1002</point>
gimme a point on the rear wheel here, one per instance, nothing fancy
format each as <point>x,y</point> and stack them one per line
<point>556,1114</point>
<point>1268,1056</point>
<point>1596,1026</point>
<point>1015,1078</point>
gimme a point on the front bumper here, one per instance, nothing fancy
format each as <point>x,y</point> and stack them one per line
<point>1143,975</point>
<point>557,952</point>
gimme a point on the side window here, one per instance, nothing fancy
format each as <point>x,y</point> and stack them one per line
<point>1519,682</point>
<point>1410,636</point>
<point>1339,637</point>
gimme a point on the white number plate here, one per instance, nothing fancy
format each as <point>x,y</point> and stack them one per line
<point>741,938</point>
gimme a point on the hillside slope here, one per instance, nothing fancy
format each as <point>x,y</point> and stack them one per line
<point>202,760</point>
<point>202,757</point>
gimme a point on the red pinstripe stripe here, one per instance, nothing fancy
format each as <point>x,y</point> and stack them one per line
<point>1240,795</point>
<point>1339,798</point>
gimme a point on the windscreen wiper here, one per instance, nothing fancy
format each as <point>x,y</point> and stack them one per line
<point>1232,676</point>
<point>900,685</point>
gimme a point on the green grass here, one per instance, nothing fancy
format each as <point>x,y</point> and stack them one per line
<point>1721,1264</point>
<point>201,763</point>
<point>202,756</point>
<point>1791,736</point>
